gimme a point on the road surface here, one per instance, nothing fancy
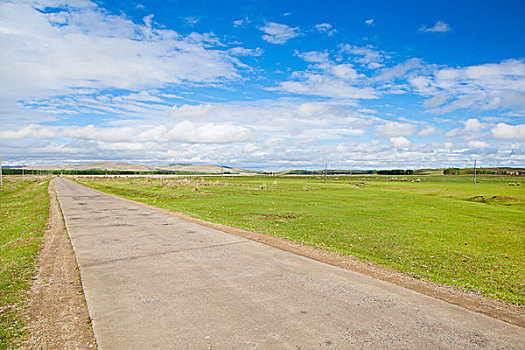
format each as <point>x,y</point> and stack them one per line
<point>154,281</point>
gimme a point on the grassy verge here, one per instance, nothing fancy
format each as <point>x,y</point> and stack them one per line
<point>445,229</point>
<point>23,216</point>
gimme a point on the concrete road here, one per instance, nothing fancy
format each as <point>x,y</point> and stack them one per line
<point>153,281</point>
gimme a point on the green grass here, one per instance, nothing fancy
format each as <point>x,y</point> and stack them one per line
<point>444,229</point>
<point>23,216</point>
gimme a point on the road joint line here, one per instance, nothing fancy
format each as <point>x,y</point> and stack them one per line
<point>106,262</point>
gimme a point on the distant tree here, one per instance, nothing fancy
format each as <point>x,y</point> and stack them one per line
<point>451,171</point>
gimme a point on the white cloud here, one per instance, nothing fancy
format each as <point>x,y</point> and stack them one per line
<point>483,87</point>
<point>276,33</point>
<point>439,27</point>
<point>435,101</point>
<point>142,96</point>
<point>251,147</point>
<point>400,71</point>
<point>184,132</point>
<point>242,22</point>
<point>473,128</point>
<point>315,57</point>
<point>320,109</point>
<point>30,131</point>
<point>326,86</point>
<point>369,22</point>
<point>152,94</point>
<point>478,144</point>
<point>328,79</point>
<point>364,55</point>
<point>474,125</point>
<point>209,133</point>
<point>190,111</point>
<point>345,72</point>
<point>298,124</point>
<point>326,28</point>
<point>241,51</point>
<point>395,129</point>
<point>400,142</point>
<point>504,131</point>
<point>427,130</point>
<point>191,20</point>
<point>92,49</point>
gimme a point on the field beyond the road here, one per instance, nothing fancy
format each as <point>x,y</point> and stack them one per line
<point>445,229</point>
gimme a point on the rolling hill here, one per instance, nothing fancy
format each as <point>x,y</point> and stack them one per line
<point>122,166</point>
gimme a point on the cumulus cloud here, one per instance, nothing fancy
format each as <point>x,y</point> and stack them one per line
<point>400,142</point>
<point>277,33</point>
<point>478,144</point>
<point>150,92</point>
<point>320,109</point>
<point>473,128</point>
<point>369,22</point>
<point>474,125</point>
<point>327,78</point>
<point>85,47</point>
<point>437,100</point>
<point>191,20</point>
<point>190,111</point>
<point>504,131</point>
<point>483,87</point>
<point>368,55</point>
<point>241,51</point>
<point>395,129</point>
<point>315,56</point>
<point>326,28</point>
<point>427,130</point>
<point>439,27</point>
<point>345,72</point>
<point>184,132</point>
<point>254,127</point>
<point>242,22</point>
<point>400,71</point>
<point>326,86</point>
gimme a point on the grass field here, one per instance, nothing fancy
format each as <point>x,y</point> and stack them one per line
<point>444,229</point>
<point>23,218</point>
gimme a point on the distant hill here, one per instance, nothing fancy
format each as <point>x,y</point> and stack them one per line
<point>122,166</point>
<point>202,168</point>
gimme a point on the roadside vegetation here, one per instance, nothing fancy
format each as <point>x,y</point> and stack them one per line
<point>442,228</point>
<point>23,217</point>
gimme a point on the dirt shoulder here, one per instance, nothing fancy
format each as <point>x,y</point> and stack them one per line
<point>57,316</point>
<point>496,309</point>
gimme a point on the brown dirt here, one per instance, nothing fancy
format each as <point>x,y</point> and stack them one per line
<point>57,316</point>
<point>478,303</point>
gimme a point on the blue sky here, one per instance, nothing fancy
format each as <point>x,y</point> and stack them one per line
<point>264,84</point>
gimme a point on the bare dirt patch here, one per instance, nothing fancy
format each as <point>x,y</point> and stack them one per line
<point>278,216</point>
<point>57,316</point>
<point>478,303</point>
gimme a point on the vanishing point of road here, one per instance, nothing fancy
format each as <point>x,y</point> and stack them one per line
<point>154,281</point>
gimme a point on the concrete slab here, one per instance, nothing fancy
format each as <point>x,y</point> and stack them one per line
<point>153,281</point>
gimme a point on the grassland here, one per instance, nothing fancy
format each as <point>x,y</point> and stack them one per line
<point>23,218</point>
<point>444,228</point>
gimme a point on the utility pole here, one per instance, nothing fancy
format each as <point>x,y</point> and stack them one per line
<point>474,170</point>
<point>325,165</point>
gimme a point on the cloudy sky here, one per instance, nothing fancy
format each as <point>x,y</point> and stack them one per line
<point>263,84</point>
